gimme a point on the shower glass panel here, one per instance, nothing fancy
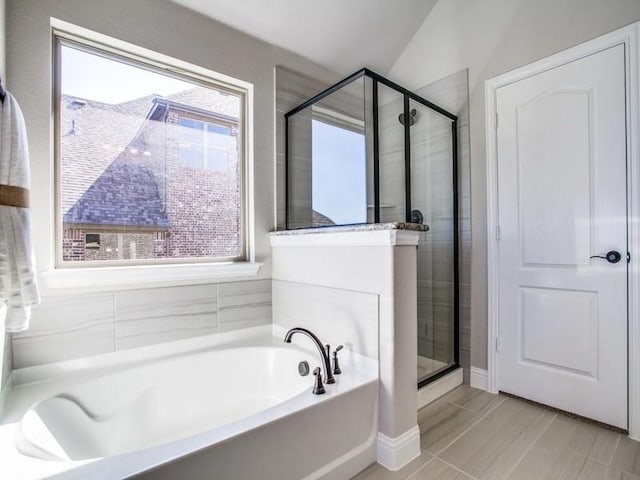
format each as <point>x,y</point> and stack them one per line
<point>432,202</point>
<point>329,179</point>
<point>367,150</point>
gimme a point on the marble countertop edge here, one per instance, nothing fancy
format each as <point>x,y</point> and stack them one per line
<point>363,227</point>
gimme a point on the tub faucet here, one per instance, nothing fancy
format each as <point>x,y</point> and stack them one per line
<point>324,350</point>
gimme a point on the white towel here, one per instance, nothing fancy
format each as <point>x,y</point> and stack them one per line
<point>18,287</point>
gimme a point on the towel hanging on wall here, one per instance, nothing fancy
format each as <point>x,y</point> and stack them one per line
<point>18,287</point>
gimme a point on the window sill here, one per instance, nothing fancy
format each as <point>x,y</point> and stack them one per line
<point>147,276</point>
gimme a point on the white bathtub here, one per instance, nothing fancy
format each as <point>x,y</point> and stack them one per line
<point>236,410</point>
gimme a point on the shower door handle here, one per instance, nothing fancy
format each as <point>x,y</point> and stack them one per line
<point>416,216</point>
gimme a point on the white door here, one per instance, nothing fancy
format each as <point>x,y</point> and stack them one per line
<point>561,149</point>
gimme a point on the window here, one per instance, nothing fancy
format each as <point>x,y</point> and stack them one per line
<point>150,162</point>
<point>206,145</point>
<point>92,241</point>
<point>338,175</point>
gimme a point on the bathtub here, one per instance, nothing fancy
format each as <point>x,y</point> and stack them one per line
<point>228,406</point>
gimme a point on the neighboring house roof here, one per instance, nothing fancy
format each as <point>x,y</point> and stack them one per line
<point>88,151</point>
<point>318,219</point>
<point>94,177</point>
<point>209,100</point>
<point>126,194</point>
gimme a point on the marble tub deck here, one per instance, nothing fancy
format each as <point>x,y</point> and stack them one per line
<point>470,434</point>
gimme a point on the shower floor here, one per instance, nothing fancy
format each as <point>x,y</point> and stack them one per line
<point>427,366</point>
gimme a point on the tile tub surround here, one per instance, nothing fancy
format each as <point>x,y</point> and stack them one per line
<point>68,327</point>
<point>336,316</point>
<point>469,434</point>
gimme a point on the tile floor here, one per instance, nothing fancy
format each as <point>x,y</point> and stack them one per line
<point>472,435</point>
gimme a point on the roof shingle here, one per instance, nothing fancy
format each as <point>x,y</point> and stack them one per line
<point>126,194</point>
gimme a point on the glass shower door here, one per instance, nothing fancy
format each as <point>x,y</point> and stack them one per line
<point>433,202</point>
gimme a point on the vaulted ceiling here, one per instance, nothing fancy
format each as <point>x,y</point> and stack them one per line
<point>343,35</point>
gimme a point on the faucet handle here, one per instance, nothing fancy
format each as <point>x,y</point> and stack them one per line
<point>318,388</point>
<point>336,366</point>
<point>327,362</point>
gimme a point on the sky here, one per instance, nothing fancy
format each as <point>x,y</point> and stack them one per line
<point>339,178</point>
<point>93,77</point>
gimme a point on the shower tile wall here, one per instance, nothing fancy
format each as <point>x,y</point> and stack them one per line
<point>68,327</point>
<point>301,175</point>
<point>435,275</point>
<point>432,194</point>
<point>391,141</point>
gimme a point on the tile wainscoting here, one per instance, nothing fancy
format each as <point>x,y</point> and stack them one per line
<point>68,327</point>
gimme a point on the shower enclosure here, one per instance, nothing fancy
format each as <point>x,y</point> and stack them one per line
<point>367,150</point>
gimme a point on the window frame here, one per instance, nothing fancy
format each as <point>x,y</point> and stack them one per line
<point>158,63</point>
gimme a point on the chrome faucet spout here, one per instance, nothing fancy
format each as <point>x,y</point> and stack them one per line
<point>324,354</point>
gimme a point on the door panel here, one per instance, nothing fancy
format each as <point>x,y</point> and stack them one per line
<point>554,157</point>
<point>572,316</point>
<point>562,199</point>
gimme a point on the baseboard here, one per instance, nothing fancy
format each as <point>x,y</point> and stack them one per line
<point>436,389</point>
<point>395,453</point>
<point>478,378</point>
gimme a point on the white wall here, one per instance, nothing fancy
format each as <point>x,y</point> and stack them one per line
<point>491,37</point>
<point>172,30</point>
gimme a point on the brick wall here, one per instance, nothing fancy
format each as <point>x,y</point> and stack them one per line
<point>114,246</point>
<point>73,245</point>
<point>203,206</point>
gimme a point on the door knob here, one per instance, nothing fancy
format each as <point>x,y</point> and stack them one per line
<point>611,257</point>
